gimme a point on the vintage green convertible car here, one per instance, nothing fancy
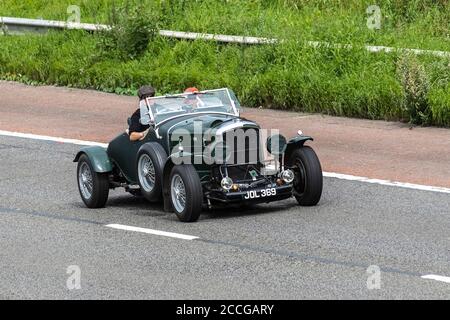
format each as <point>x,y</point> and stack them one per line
<point>200,153</point>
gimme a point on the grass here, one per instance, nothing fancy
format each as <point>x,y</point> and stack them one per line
<point>289,76</point>
<point>405,23</point>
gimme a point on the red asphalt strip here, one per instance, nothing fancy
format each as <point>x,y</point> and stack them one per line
<point>374,149</point>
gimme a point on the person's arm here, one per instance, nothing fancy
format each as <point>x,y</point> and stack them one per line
<point>135,136</point>
<point>135,129</point>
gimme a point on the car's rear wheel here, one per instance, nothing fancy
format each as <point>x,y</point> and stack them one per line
<point>308,181</point>
<point>186,195</point>
<point>150,164</point>
<point>93,186</point>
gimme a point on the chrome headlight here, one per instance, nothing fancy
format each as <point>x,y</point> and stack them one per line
<point>226,183</point>
<point>287,175</point>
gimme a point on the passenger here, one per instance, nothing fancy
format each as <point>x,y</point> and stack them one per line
<point>191,100</point>
<point>138,131</point>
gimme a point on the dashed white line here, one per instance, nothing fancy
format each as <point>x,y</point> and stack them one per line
<point>325,174</point>
<point>152,231</point>
<point>437,278</point>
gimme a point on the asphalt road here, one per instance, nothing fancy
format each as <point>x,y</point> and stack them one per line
<point>275,251</point>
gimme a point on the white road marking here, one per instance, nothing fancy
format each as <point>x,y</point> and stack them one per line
<point>151,231</point>
<point>48,138</point>
<point>386,182</point>
<point>437,278</point>
<point>325,174</point>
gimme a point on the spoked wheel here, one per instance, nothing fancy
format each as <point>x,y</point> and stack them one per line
<point>146,173</point>
<point>178,193</point>
<point>308,181</point>
<point>85,181</point>
<point>93,186</point>
<point>151,158</point>
<point>186,193</point>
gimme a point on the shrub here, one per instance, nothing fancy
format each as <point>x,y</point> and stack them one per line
<point>132,28</point>
<point>415,85</point>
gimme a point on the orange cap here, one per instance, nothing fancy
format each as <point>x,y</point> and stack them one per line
<point>191,90</point>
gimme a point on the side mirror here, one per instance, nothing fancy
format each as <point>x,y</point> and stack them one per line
<point>276,144</point>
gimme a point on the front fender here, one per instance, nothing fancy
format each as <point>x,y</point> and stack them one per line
<point>99,158</point>
<point>299,140</point>
<point>294,143</point>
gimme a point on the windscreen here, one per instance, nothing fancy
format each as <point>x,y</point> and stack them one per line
<point>213,101</point>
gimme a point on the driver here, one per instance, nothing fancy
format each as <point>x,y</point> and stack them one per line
<point>138,131</point>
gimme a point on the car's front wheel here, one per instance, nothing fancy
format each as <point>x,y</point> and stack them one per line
<point>186,195</point>
<point>308,181</point>
<point>93,186</point>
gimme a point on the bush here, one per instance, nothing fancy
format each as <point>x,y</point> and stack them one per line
<point>132,28</point>
<point>415,85</point>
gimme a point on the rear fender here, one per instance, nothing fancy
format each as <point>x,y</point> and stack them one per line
<point>99,158</point>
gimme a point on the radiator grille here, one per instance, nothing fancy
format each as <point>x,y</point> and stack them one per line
<point>243,144</point>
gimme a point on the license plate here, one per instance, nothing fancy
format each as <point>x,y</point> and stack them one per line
<point>255,194</point>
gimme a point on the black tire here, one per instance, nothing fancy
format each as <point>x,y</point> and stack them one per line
<point>155,152</point>
<point>100,185</point>
<point>308,182</point>
<point>193,192</point>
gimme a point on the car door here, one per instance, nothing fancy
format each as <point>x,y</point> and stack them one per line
<point>123,153</point>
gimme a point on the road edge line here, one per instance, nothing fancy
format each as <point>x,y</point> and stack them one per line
<point>386,182</point>
<point>334,175</point>
<point>436,278</point>
<point>50,138</point>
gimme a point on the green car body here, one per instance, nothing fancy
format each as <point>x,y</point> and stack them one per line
<point>120,162</point>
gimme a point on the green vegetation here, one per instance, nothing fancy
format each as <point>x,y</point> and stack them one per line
<point>415,86</point>
<point>405,23</point>
<point>290,75</point>
<point>130,33</point>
